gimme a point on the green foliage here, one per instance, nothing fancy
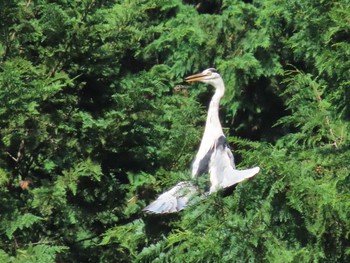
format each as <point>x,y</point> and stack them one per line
<point>34,254</point>
<point>95,121</point>
<point>127,238</point>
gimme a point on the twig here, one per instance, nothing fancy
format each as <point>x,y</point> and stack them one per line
<point>41,243</point>
<point>331,132</point>
<point>328,121</point>
<point>13,158</point>
<point>87,238</point>
<point>19,153</point>
<point>16,243</point>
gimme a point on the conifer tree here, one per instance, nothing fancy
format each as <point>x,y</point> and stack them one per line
<point>95,121</point>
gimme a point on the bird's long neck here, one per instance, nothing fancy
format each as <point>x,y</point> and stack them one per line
<point>219,93</point>
<point>213,112</point>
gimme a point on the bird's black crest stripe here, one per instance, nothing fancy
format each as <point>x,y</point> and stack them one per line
<point>213,70</point>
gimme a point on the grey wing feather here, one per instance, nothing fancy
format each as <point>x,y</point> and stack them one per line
<point>201,165</point>
<point>173,200</point>
<point>236,176</point>
<point>204,163</point>
<point>222,169</point>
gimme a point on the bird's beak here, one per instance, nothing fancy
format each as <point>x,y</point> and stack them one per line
<point>195,77</point>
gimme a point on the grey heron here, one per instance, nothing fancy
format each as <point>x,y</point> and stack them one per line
<point>214,155</point>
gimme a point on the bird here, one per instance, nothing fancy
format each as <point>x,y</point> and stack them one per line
<point>214,156</point>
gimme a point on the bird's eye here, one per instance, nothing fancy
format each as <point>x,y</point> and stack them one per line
<point>209,73</point>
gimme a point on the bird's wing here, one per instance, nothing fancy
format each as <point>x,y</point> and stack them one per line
<point>234,176</point>
<point>222,170</point>
<point>173,200</point>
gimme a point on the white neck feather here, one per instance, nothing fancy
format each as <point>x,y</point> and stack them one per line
<point>219,93</point>
<point>213,128</point>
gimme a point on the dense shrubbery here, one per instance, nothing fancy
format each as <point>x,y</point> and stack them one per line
<point>95,122</point>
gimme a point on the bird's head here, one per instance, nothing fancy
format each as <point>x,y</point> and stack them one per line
<point>209,76</point>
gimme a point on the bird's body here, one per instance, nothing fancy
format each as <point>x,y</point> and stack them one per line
<point>212,132</point>
<point>214,155</point>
